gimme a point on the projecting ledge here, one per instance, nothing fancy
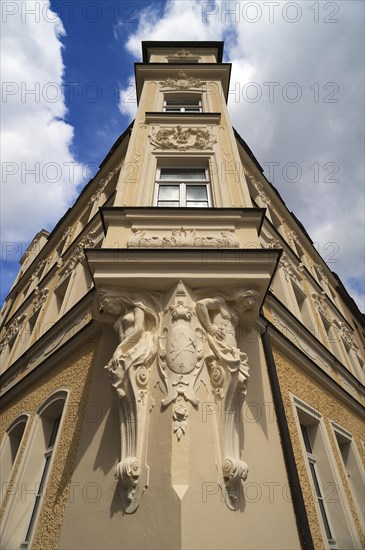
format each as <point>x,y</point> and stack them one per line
<point>159,269</point>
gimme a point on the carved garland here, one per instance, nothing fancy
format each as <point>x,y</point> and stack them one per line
<point>78,254</point>
<point>102,184</point>
<point>182,138</point>
<point>40,296</point>
<point>182,238</point>
<point>182,82</point>
<point>11,331</point>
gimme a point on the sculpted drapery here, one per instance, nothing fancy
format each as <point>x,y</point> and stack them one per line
<point>191,329</point>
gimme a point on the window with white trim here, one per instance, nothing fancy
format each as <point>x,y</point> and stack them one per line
<point>352,466</point>
<point>303,307</point>
<point>334,514</point>
<point>319,494</point>
<point>179,187</point>
<point>9,449</point>
<point>187,104</point>
<point>51,431</point>
<point>23,508</point>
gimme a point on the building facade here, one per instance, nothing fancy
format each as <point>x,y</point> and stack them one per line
<point>180,367</point>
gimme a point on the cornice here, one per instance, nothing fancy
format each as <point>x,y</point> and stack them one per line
<point>201,217</point>
<point>304,269</point>
<point>61,333</point>
<point>300,332</point>
<point>202,71</point>
<point>283,344</point>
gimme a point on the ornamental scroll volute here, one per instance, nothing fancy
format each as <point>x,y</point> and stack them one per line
<point>221,315</point>
<point>137,321</point>
<point>180,355</point>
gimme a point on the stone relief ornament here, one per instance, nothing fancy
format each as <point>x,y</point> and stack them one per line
<point>289,269</point>
<point>102,184</point>
<point>319,269</point>
<point>180,348</point>
<point>11,331</point>
<point>182,138</point>
<point>182,238</point>
<point>260,190</point>
<point>220,315</point>
<point>137,321</point>
<point>347,335</point>
<point>78,255</point>
<point>182,82</point>
<point>180,417</point>
<point>271,242</point>
<point>40,265</point>
<point>40,296</point>
<point>320,303</point>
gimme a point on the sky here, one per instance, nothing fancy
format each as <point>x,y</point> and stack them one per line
<point>296,98</point>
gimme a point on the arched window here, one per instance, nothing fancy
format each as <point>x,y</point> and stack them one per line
<point>9,449</point>
<point>23,510</point>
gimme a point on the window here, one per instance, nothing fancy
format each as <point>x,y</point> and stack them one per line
<point>332,340</point>
<point>21,514</point>
<point>183,187</point>
<point>352,467</point>
<point>334,514</point>
<point>9,449</point>
<point>183,105</point>
<point>317,487</point>
<point>52,430</point>
<point>303,307</point>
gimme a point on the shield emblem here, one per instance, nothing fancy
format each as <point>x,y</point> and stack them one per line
<point>181,353</point>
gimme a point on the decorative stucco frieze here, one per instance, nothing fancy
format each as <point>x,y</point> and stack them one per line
<point>66,234</point>
<point>182,238</point>
<point>320,303</point>
<point>77,256</point>
<point>260,190</point>
<point>183,54</point>
<point>40,296</point>
<point>271,242</point>
<point>182,82</point>
<point>12,330</point>
<point>182,138</point>
<point>319,269</point>
<point>102,184</point>
<point>347,335</point>
<point>289,269</point>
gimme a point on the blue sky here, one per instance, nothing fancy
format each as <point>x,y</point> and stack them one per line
<point>296,97</point>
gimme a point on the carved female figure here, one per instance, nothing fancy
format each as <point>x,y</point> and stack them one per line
<point>128,370</point>
<point>228,365</point>
<point>220,316</point>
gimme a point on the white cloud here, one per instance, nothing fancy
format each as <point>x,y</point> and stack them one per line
<point>324,126</point>
<point>39,172</point>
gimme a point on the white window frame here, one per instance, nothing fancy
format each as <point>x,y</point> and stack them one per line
<point>357,489</point>
<point>334,506</point>
<point>6,456</point>
<point>181,106</point>
<point>182,183</point>
<point>20,506</point>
